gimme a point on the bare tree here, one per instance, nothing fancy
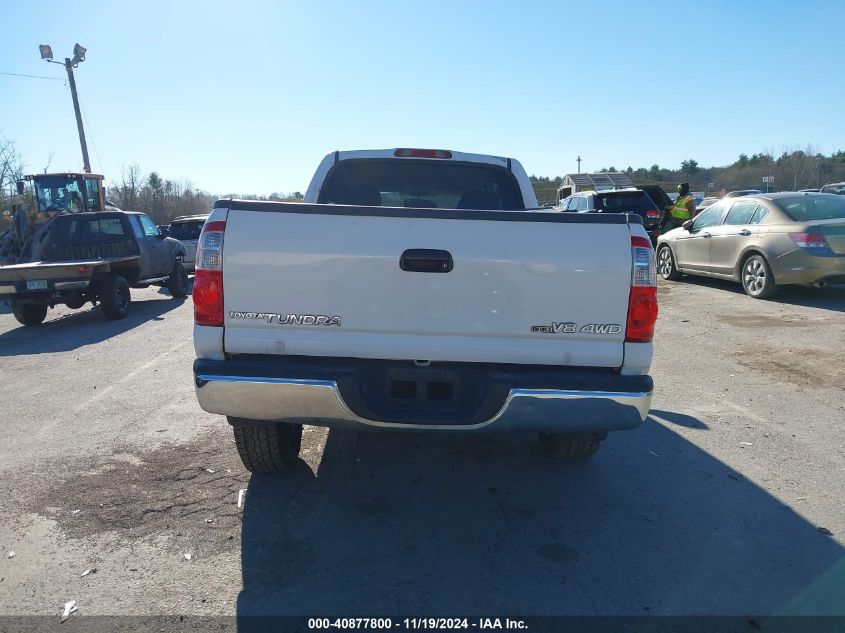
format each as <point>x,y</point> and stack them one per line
<point>11,165</point>
<point>49,161</point>
<point>130,179</point>
<point>798,166</point>
<point>11,170</point>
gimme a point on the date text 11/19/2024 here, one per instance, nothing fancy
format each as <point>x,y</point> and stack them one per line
<point>417,623</point>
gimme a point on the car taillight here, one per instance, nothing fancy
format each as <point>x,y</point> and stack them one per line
<point>653,214</point>
<point>422,153</point>
<point>642,301</point>
<point>809,240</point>
<point>208,280</point>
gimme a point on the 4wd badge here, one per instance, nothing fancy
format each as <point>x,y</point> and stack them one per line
<point>568,327</point>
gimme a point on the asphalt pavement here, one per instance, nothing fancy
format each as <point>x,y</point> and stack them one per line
<point>728,500</point>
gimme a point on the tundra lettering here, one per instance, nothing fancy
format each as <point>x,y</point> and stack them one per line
<point>288,319</point>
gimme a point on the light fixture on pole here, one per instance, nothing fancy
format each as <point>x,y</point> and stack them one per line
<point>69,64</point>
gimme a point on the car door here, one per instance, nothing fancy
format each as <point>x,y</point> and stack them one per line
<point>730,238</point>
<point>158,250</point>
<point>145,247</point>
<point>692,248</point>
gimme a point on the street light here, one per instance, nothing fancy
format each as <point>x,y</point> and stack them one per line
<point>69,64</point>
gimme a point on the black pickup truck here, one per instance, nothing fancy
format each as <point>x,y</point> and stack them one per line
<point>80,257</point>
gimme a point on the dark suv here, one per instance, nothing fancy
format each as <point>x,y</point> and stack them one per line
<point>617,201</point>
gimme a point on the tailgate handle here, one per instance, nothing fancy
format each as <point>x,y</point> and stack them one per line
<point>426,260</point>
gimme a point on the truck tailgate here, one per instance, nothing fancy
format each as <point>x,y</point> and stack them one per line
<point>525,287</point>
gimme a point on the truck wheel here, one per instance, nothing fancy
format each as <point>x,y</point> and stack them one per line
<point>114,297</point>
<point>267,448</point>
<point>177,283</point>
<point>29,313</point>
<point>666,264</point>
<point>757,278</point>
<point>571,445</point>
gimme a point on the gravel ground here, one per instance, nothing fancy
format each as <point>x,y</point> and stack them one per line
<point>727,501</point>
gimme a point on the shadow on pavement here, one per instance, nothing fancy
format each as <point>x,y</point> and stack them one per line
<point>825,298</point>
<point>429,524</point>
<point>680,419</point>
<point>80,328</point>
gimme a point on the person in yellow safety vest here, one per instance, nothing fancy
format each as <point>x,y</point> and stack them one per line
<point>684,208</point>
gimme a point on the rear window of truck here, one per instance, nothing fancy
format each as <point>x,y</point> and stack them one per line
<point>421,184</point>
<point>82,229</point>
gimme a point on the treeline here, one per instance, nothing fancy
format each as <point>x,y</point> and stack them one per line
<point>164,199</point>
<point>792,169</point>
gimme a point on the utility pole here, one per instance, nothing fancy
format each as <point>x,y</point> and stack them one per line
<point>579,163</point>
<point>86,164</point>
<point>70,64</point>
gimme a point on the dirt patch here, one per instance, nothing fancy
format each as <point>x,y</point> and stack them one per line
<point>173,490</point>
<point>810,368</point>
<point>761,321</point>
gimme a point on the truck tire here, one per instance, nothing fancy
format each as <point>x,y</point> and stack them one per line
<point>177,283</point>
<point>666,264</point>
<point>75,303</point>
<point>571,445</point>
<point>29,313</point>
<point>114,297</point>
<point>267,448</point>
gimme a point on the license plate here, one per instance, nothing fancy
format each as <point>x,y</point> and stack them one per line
<point>37,284</point>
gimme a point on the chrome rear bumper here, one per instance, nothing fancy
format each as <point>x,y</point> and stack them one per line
<point>320,402</point>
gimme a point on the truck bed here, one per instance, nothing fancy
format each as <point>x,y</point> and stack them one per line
<point>14,277</point>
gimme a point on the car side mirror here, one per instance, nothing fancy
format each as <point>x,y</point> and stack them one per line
<point>687,225</point>
<point>20,185</point>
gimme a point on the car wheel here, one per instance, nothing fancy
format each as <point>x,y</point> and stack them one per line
<point>757,278</point>
<point>268,447</point>
<point>666,264</point>
<point>114,296</point>
<point>29,313</point>
<point>571,445</point>
<point>177,283</point>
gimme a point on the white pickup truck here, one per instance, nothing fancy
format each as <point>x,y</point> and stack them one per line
<point>421,289</point>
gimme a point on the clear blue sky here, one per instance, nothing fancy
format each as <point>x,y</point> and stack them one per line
<point>248,96</point>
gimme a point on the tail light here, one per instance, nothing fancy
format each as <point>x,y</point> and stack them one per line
<point>642,301</point>
<point>652,214</point>
<point>814,241</point>
<point>422,153</point>
<point>208,280</point>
